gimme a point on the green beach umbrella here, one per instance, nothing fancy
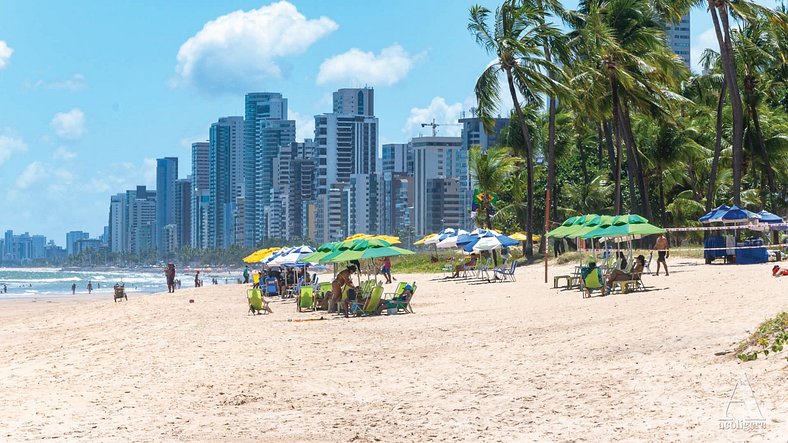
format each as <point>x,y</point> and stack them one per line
<point>566,226</point>
<point>637,229</point>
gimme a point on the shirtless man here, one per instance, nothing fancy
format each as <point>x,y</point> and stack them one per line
<point>343,279</point>
<point>662,247</point>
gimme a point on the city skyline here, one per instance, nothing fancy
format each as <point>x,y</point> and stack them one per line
<point>99,103</point>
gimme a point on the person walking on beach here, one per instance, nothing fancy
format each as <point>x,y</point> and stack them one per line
<point>197,279</point>
<point>246,274</point>
<point>73,288</point>
<point>386,269</point>
<point>663,253</point>
<point>90,287</point>
<point>169,272</point>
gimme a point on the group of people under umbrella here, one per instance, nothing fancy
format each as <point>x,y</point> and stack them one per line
<point>343,291</point>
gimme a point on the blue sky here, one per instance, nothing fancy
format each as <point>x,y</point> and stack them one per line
<point>94,91</point>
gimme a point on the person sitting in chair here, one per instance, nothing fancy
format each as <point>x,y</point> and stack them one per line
<point>463,266</point>
<point>619,275</point>
<point>592,278</point>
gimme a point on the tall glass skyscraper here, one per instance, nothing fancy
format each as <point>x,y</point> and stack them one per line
<point>266,128</point>
<point>166,176</point>
<point>225,178</point>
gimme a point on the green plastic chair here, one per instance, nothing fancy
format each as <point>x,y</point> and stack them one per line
<point>401,305</point>
<point>592,282</point>
<point>397,292</point>
<point>257,304</point>
<point>371,305</point>
<point>305,299</point>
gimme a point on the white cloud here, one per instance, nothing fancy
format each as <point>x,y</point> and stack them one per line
<point>5,54</point>
<point>240,50</point>
<point>707,39</point>
<point>442,112</point>
<point>77,82</point>
<point>62,153</point>
<point>69,125</point>
<point>358,68</point>
<point>33,173</point>
<point>10,145</point>
<point>305,125</point>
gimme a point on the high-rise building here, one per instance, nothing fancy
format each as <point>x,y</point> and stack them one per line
<point>118,216</point>
<point>38,244</point>
<point>397,217</point>
<point>354,101</point>
<point>72,237</point>
<point>225,182</point>
<point>679,38</point>
<point>364,204</point>
<point>397,158</point>
<point>474,134</point>
<point>166,175</point>
<point>140,220</point>
<point>346,143</point>
<point>441,171</point>
<point>266,128</point>
<point>200,178</point>
<point>183,211</point>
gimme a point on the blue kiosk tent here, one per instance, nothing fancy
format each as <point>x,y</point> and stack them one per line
<point>726,247</point>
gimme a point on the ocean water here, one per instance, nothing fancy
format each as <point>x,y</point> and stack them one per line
<point>49,282</point>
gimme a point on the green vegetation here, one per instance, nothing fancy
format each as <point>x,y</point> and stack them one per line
<point>771,336</point>
<point>611,121</point>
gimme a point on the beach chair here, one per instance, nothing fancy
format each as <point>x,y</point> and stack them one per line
<point>635,283</point>
<point>304,299</point>
<point>509,274</point>
<point>484,271</point>
<point>120,293</point>
<point>647,266</point>
<point>396,306</point>
<point>592,281</point>
<point>321,295</point>
<point>271,287</point>
<point>397,292</point>
<point>257,303</point>
<point>370,306</point>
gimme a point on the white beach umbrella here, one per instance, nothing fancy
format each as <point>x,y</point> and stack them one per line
<point>450,241</point>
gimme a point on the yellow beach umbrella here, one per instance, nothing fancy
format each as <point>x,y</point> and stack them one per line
<point>389,238</point>
<point>260,254</point>
<point>522,236</point>
<point>358,236</point>
<point>425,238</point>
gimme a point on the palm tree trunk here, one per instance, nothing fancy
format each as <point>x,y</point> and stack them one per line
<point>488,220</point>
<point>611,155</point>
<point>583,160</point>
<point>617,126</point>
<point>661,195</point>
<point>600,140</point>
<point>551,140</point>
<point>529,212</point>
<point>715,162</point>
<point>767,164</point>
<point>639,177</point>
<point>723,33</point>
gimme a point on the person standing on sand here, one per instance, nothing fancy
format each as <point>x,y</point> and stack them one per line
<point>663,252</point>
<point>169,273</point>
<point>90,287</point>
<point>197,279</point>
<point>73,288</point>
<point>246,274</point>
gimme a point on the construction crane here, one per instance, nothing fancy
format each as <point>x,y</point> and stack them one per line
<point>435,126</point>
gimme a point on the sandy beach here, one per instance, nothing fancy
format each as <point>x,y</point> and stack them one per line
<point>476,362</point>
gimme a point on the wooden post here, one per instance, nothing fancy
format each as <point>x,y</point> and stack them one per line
<point>546,230</point>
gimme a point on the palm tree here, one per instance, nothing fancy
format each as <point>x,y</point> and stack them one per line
<point>516,41</point>
<point>489,171</point>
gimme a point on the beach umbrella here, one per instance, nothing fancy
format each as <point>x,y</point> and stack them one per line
<point>567,229</point>
<point>716,212</point>
<point>422,240</point>
<point>733,214</point>
<point>260,254</point>
<point>768,217</point>
<point>366,243</point>
<point>322,251</point>
<point>394,240</point>
<point>293,255</point>
<point>628,218</point>
<point>490,242</point>
<point>625,230</point>
<point>370,253</point>
<point>450,241</point>
<point>447,232</point>
<point>358,236</point>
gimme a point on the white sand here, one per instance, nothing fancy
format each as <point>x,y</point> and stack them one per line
<point>477,362</point>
